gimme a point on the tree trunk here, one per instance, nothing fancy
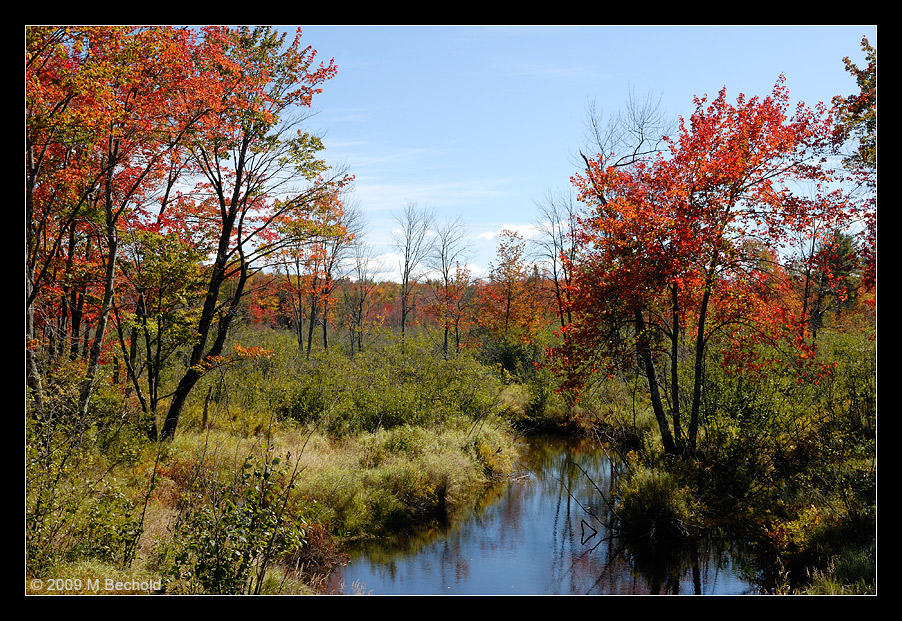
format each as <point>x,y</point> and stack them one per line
<point>698,369</point>
<point>198,355</point>
<point>657,405</point>
<point>90,380</point>
<point>193,374</point>
<point>674,363</point>
<point>112,240</point>
<point>325,324</point>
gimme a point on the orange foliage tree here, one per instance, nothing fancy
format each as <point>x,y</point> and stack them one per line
<point>687,247</point>
<point>510,301</point>
<point>137,137</point>
<point>310,263</point>
<point>257,171</point>
<point>108,113</point>
<point>450,304</point>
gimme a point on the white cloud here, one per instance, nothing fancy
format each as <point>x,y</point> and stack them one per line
<point>390,264</point>
<point>477,271</point>
<point>526,231</point>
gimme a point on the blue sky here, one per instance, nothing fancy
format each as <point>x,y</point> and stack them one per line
<point>483,122</point>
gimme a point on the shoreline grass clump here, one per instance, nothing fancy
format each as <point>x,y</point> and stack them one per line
<point>653,508</point>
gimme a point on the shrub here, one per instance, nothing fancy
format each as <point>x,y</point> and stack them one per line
<point>75,508</point>
<point>226,542</point>
<point>388,388</point>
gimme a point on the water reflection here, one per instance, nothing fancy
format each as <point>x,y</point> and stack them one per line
<point>545,533</point>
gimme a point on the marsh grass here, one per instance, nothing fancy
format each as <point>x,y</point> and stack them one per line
<point>852,572</point>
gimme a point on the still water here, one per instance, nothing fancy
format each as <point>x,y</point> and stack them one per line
<point>543,533</point>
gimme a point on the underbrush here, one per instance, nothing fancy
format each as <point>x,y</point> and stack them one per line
<point>402,384</point>
<point>789,460</point>
<point>329,490</point>
<point>281,461</point>
<point>84,481</point>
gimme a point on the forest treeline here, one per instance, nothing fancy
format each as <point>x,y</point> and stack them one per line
<point>221,390</point>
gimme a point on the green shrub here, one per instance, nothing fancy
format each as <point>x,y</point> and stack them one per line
<point>387,388</point>
<point>226,542</point>
<point>77,519</point>
<point>75,508</point>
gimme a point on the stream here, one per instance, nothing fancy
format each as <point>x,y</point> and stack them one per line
<point>543,533</point>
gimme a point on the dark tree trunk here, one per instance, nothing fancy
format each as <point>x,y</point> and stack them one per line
<point>657,405</point>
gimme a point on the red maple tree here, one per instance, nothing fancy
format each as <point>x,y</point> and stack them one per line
<point>108,110</point>
<point>187,134</point>
<point>687,247</point>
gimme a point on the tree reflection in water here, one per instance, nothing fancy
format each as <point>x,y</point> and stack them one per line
<point>546,532</point>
